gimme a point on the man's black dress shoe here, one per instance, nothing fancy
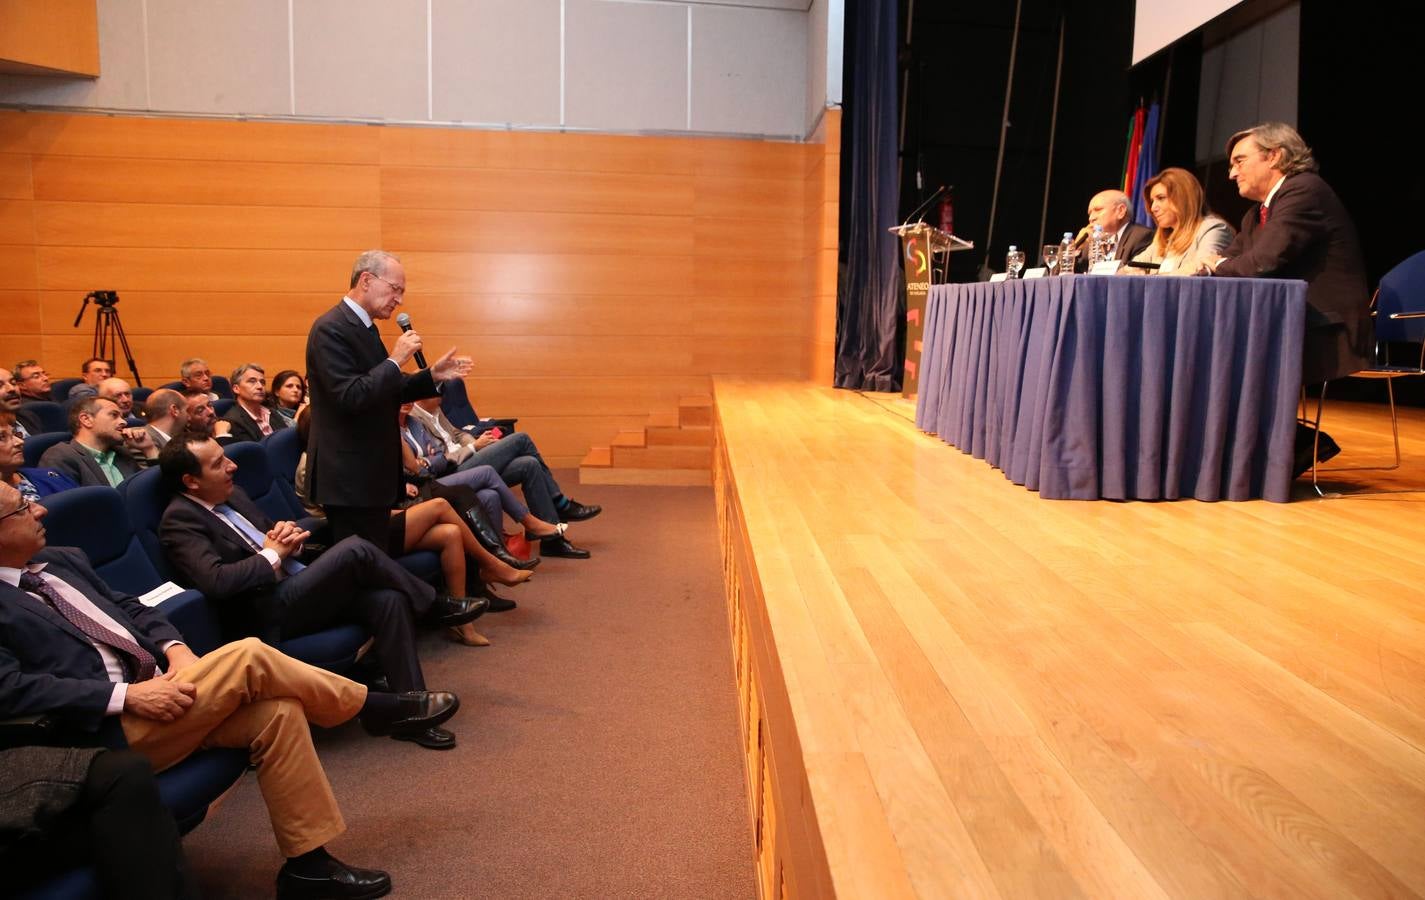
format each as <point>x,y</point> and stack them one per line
<point>447,611</point>
<point>562,548</point>
<point>413,713</point>
<point>497,603</point>
<point>431,738</point>
<point>339,880</point>
<point>574,511</point>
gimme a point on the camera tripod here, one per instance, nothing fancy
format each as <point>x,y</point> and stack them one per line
<point>108,330</point>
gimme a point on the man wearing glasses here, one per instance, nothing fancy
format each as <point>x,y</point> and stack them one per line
<point>357,387</point>
<point>33,381</point>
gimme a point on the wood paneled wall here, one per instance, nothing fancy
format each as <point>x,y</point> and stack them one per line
<point>594,278</point>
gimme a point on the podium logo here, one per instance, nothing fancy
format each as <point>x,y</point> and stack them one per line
<point>915,256</point>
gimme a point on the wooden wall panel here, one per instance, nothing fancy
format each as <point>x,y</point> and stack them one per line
<point>53,36</point>
<point>595,279</point>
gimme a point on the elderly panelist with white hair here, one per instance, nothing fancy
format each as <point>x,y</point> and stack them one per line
<point>1113,211</point>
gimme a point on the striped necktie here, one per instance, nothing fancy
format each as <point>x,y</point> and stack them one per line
<point>138,662</point>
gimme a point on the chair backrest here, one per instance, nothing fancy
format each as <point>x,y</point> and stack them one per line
<point>95,520</point>
<point>146,498</point>
<point>222,387</point>
<point>284,450</point>
<point>37,444</point>
<point>59,390</point>
<point>455,403</point>
<point>51,415</point>
<point>254,476</point>
<point>173,386</point>
<point>1402,289</point>
<point>221,407</point>
<point>141,395</point>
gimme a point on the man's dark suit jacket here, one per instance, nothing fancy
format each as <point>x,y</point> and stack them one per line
<point>29,421</point>
<point>1135,238</point>
<point>74,461</point>
<point>211,557</point>
<point>1309,235</point>
<point>245,427</point>
<point>354,450</point>
<point>47,666</point>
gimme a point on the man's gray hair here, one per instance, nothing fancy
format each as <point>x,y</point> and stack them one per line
<point>1119,197</point>
<point>373,261</point>
<point>185,368</point>
<point>242,370</point>
<point>1296,156</point>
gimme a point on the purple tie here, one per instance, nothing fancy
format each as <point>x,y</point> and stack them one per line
<point>137,661</point>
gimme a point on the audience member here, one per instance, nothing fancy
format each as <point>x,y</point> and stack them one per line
<point>222,544</point>
<point>12,401</point>
<point>131,677</point>
<point>1113,211</point>
<point>93,371</point>
<point>288,394</point>
<point>101,450</point>
<point>354,454</point>
<point>33,381</point>
<point>167,414</point>
<point>1300,229</point>
<point>196,376</point>
<point>1188,234</point>
<point>250,418</point>
<point>118,390</point>
<point>68,806</point>
<point>32,483</point>
<point>203,419</point>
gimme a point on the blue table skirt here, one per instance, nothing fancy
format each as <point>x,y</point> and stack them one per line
<point>1119,387</point>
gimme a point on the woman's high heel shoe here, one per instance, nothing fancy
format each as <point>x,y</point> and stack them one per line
<point>520,577</point>
<point>467,635</point>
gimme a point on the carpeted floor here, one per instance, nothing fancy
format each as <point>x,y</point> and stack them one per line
<point>599,752</point>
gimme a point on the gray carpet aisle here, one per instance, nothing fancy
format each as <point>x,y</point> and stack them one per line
<point>599,752</point>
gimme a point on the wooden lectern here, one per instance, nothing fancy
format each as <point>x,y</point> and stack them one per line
<point>925,253</point>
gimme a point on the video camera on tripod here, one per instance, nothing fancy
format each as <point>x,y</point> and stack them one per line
<point>108,330</point>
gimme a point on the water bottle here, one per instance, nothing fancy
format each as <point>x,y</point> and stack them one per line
<point>1097,247</point>
<point>1067,254</point>
<point>1013,261</point>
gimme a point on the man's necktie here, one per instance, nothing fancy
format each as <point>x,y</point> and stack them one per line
<point>253,537</point>
<point>138,662</point>
<point>1262,214</point>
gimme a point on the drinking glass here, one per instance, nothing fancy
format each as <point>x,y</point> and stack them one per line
<point>1051,257</point>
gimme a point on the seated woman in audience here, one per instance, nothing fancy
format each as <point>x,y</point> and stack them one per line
<point>1188,234</point>
<point>34,483</point>
<point>288,394</point>
<point>423,457</point>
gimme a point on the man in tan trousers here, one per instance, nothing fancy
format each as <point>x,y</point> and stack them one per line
<point>111,670</point>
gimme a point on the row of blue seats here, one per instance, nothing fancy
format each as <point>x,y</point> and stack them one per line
<point>60,389</point>
<point>54,417</point>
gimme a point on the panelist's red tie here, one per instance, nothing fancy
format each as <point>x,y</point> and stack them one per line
<point>1262,214</point>
<point>138,662</point>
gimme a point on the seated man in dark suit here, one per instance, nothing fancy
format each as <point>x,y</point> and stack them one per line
<point>167,415</point>
<point>111,670</point>
<point>102,450</point>
<point>203,419</point>
<point>33,381</point>
<point>1300,229</point>
<point>1112,211</point>
<point>196,376</point>
<point>251,419</point>
<point>94,371</point>
<point>12,401</point>
<point>118,390</point>
<point>222,544</point>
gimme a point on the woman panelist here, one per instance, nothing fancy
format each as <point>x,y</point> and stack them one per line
<point>1188,234</point>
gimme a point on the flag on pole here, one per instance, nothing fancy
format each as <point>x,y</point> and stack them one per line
<point>1147,166</point>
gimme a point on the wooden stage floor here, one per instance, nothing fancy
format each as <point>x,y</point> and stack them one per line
<point>953,688</point>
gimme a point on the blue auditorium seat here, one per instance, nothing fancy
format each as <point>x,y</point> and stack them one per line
<point>51,415</point>
<point>37,444</point>
<point>221,407</point>
<point>60,389</point>
<point>141,395</point>
<point>455,403</point>
<point>222,387</point>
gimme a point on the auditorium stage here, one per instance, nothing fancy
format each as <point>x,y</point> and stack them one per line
<point>952,688</point>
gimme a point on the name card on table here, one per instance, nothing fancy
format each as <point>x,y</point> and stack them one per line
<point>1107,267</point>
<point>999,276</point>
<point>1035,273</point>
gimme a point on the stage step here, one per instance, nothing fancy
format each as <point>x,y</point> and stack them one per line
<point>673,448</point>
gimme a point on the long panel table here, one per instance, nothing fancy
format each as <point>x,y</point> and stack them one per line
<point>1120,387</point>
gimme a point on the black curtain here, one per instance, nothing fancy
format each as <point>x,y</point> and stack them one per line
<point>870,303</point>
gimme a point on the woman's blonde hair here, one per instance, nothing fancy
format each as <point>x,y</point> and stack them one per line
<point>1188,200</point>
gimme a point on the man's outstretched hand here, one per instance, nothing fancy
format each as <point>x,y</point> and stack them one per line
<point>450,367</point>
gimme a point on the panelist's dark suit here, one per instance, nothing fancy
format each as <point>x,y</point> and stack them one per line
<point>244,426</point>
<point>354,449</point>
<point>48,666</point>
<point>79,465</point>
<point>1309,235</point>
<point>351,582</point>
<point>1135,238</point>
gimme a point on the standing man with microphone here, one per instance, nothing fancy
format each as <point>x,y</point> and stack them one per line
<point>357,387</point>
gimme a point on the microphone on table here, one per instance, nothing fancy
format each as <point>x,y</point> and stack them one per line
<point>405,322</point>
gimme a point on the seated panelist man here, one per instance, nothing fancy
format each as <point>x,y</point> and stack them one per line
<point>103,450</point>
<point>223,545</point>
<point>1113,211</point>
<point>111,671</point>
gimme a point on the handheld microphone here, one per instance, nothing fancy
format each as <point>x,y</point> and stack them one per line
<point>404,321</point>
